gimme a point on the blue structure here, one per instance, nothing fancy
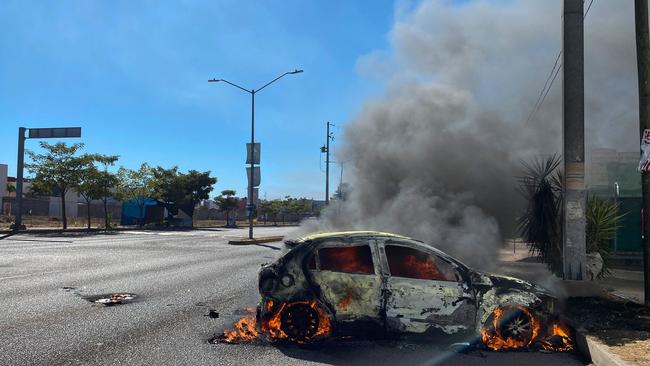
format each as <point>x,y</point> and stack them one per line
<point>134,212</point>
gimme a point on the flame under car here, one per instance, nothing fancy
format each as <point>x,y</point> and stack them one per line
<point>371,283</point>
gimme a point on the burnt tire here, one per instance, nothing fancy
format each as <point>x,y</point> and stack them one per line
<point>517,325</point>
<point>299,322</point>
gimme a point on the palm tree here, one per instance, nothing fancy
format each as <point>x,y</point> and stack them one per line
<point>540,224</point>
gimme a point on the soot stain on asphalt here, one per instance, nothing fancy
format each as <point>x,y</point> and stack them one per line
<point>213,314</point>
<point>117,298</point>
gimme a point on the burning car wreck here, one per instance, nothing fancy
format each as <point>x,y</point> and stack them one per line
<point>364,283</point>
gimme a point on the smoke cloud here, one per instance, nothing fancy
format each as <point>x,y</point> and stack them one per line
<point>437,156</point>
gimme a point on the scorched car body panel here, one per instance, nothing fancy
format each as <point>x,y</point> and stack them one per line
<point>388,283</point>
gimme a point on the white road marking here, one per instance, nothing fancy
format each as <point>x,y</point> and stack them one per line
<point>27,275</point>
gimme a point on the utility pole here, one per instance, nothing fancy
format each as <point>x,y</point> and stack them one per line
<point>643,66</point>
<point>573,120</point>
<point>326,150</point>
<point>19,178</point>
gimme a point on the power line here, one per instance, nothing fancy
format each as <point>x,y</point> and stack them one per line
<point>549,89</point>
<point>547,86</point>
<point>541,92</point>
<point>588,8</point>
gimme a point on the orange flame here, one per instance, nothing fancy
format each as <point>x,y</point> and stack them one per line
<point>345,302</point>
<point>494,340</point>
<point>423,269</point>
<point>559,340</point>
<point>247,329</point>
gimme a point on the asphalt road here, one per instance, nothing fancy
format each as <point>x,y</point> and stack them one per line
<point>178,278</point>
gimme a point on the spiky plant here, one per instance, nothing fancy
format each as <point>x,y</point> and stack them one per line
<point>540,225</point>
<point>603,219</point>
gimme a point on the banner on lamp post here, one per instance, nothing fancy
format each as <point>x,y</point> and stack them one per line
<point>255,182</point>
<point>254,156</point>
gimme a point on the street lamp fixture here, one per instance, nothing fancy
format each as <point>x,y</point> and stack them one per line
<point>252,92</point>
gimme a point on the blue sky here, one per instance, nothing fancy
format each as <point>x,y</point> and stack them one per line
<point>134,75</point>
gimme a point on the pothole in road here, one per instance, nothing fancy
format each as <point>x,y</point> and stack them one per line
<point>117,298</point>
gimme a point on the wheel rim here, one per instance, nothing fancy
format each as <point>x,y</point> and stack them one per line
<point>299,322</point>
<point>516,325</point>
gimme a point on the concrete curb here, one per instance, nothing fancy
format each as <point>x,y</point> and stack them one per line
<point>592,349</point>
<point>263,239</point>
<point>598,352</point>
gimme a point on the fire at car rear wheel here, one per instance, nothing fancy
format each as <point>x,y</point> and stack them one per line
<point>515,324</point>
<point>299,322</point>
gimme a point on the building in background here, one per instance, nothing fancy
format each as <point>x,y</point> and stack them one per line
<point>50,206</point>
<point>614,175</point>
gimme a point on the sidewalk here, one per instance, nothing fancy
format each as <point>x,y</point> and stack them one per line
<point>518,263</point>
<point>612,325</point>
<point>625,284</point>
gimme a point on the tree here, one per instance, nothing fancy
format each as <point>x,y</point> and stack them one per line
<point>107,182</point>
<point>90,187</point>
<point>271,207</point>
<point>180,190</point>
<point>297,205</point>
<point>227,203</point>
<point>194,187</point>
<point>135,185</point>
<point>97,184</point>
<point>11,188</point>
<point>57,170</point>
<point>541,226</point>
<point>167,185</point>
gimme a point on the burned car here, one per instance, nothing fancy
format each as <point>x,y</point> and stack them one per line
<point>348,283</point>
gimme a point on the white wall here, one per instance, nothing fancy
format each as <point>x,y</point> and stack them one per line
<point>71,200</point>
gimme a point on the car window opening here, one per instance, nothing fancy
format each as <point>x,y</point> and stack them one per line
<point>411,263</point>
<point>354,259</point>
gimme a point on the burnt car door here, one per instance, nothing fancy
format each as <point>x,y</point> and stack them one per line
<point>425,291</point>
<point>347,275</point>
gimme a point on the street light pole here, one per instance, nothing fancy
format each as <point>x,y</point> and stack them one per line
<point>251,181</point>
<point>35,133</point>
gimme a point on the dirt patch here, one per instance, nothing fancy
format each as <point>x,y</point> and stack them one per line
<point>624,326</point>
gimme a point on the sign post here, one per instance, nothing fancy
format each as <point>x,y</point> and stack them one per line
<point>34,133</point>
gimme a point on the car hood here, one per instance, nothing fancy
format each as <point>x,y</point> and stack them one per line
<point>511,283</point>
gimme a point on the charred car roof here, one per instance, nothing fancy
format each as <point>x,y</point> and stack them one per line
<point>342,234</point>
